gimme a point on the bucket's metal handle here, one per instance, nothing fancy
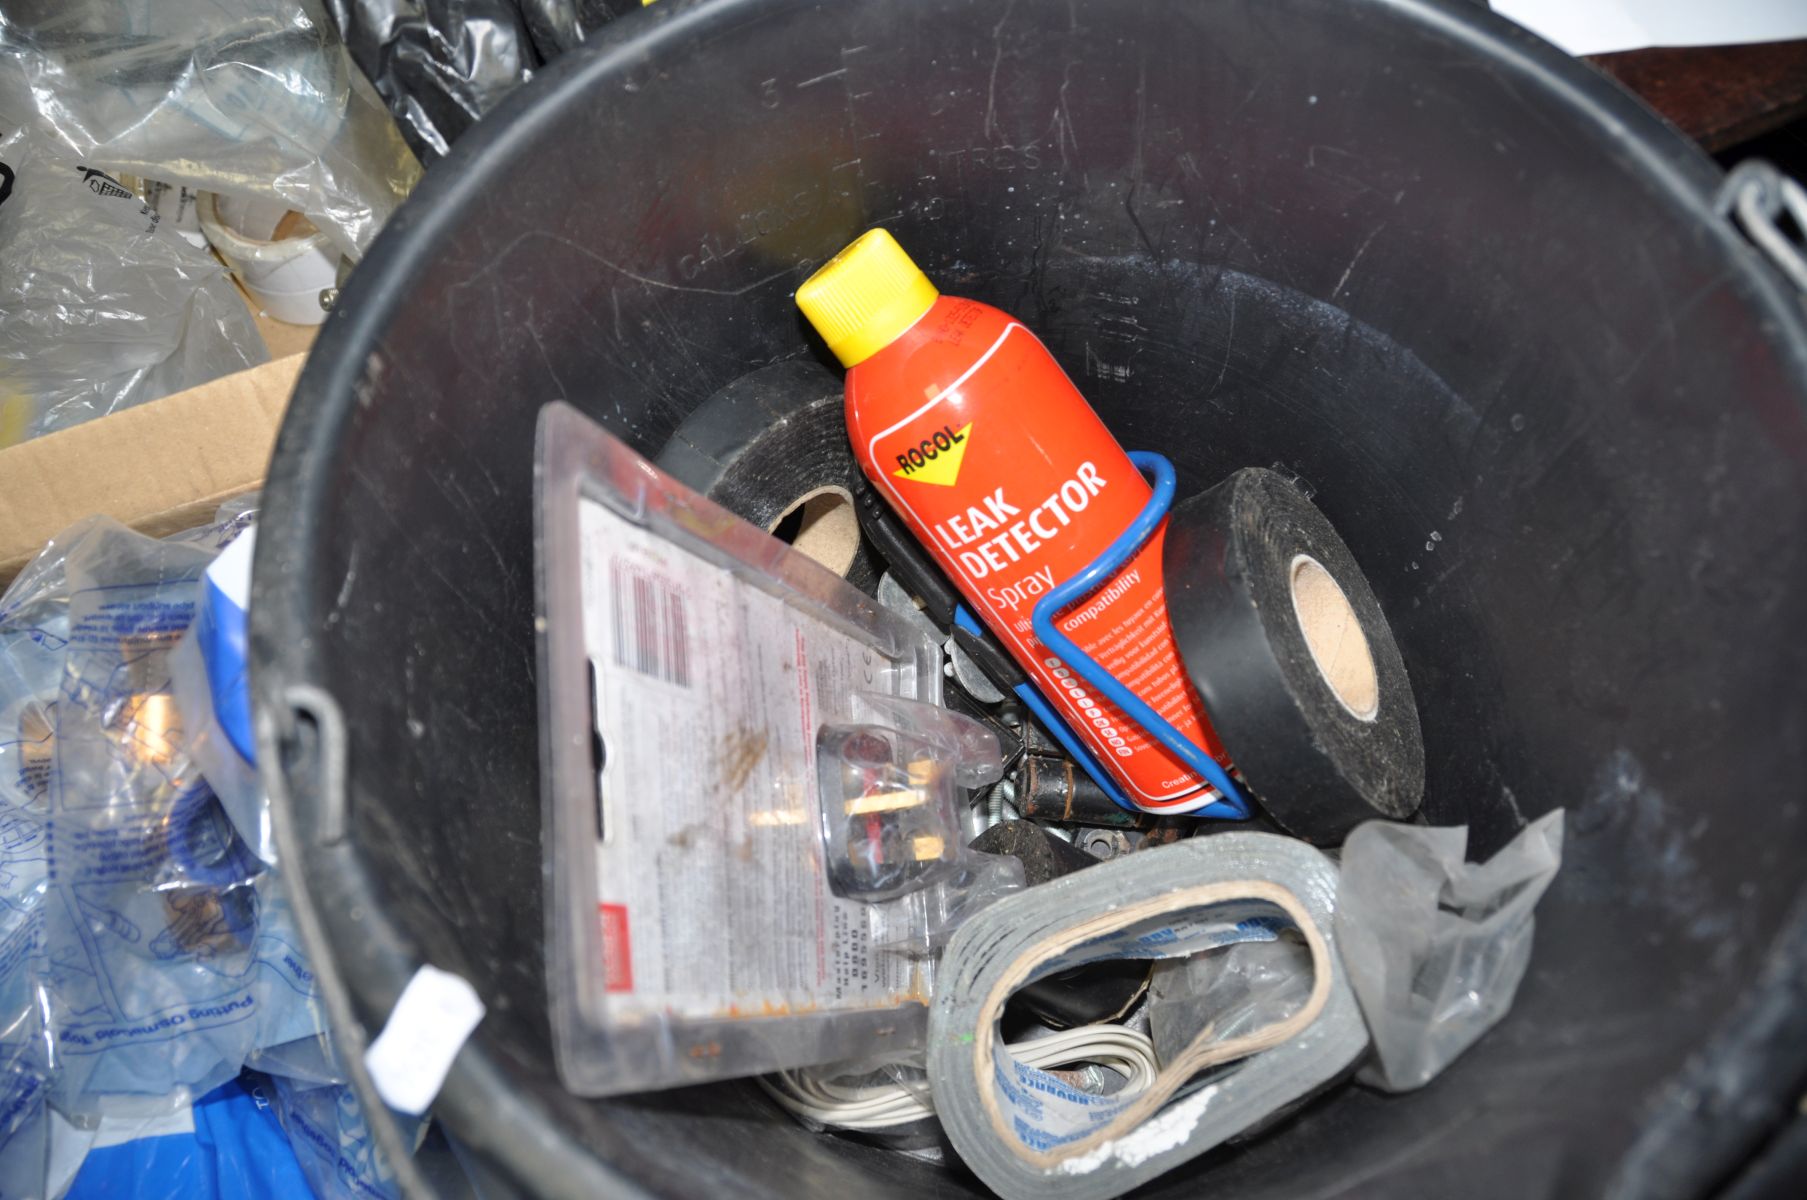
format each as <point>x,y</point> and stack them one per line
<point>329,726</point>
<point>279,738</point>
<point>1756,196</point>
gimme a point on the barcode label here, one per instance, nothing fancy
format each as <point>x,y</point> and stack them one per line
<point>652,630</point>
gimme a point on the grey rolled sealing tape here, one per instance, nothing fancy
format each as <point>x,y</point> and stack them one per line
<point>1030,1136</point>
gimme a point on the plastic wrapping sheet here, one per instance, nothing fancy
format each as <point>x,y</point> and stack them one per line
<point>337,1151</point>
<point>253,97</point>
<point>100,307</point>
<point>1235,990</point>
<point>1436,946</point>
<point>442,64</point>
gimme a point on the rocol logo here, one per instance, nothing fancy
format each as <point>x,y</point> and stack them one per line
<point>936,458</point>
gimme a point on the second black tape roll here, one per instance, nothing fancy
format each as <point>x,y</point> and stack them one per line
<point>1290,651</point>
<point>771,447</point>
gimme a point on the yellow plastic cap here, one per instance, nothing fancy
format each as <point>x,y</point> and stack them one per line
<point>865,297</point>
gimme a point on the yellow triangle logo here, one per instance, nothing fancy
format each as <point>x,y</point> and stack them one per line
<point>937,458</point>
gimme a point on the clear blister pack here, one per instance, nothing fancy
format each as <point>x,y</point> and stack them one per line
<point>701,680</point>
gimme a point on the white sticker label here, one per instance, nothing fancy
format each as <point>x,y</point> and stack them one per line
<point>431,1021</point>
<point>712,892</point>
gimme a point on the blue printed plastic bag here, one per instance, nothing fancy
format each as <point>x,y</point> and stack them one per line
<point>168,958</point>
<point>144,949</point>
<point>236,1149</point>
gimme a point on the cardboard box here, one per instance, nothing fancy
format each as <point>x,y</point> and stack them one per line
<point>160,467</point>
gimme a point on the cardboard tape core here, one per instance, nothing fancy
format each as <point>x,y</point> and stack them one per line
<point>821,524</point>
<point>1333,634</point>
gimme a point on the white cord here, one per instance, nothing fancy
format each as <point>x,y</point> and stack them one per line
<point>884,1106</point>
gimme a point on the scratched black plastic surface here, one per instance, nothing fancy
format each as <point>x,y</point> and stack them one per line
<point>1469,293</point>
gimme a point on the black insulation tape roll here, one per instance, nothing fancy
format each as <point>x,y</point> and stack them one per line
<point>772,438</point>
<point>1289,650</point>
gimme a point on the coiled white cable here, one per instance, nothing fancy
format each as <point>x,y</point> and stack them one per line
<point>884,1106</point>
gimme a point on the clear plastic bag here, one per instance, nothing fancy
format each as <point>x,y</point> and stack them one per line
<point>171,959</point>
<point>161,954</point>
<point>335,1146</point>
<point>1234,990</point>
<point>26,1123</point>
<point>102,307</point>
<point>156,956</point>
<point>34,629</point>
<point>304,1062</point>
<point>325,1123</point>
<point>255,97</point>
<point>1436,946</point>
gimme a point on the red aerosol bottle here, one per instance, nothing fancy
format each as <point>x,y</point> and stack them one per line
<point>978,439</point>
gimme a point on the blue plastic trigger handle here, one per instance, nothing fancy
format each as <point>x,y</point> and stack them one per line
<point>1234,805</point>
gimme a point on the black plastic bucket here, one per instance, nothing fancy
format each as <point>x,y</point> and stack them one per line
<point>1470,293</point>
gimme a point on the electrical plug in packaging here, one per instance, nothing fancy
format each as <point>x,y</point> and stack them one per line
<point>690,663</point>
<point>891,792</point>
